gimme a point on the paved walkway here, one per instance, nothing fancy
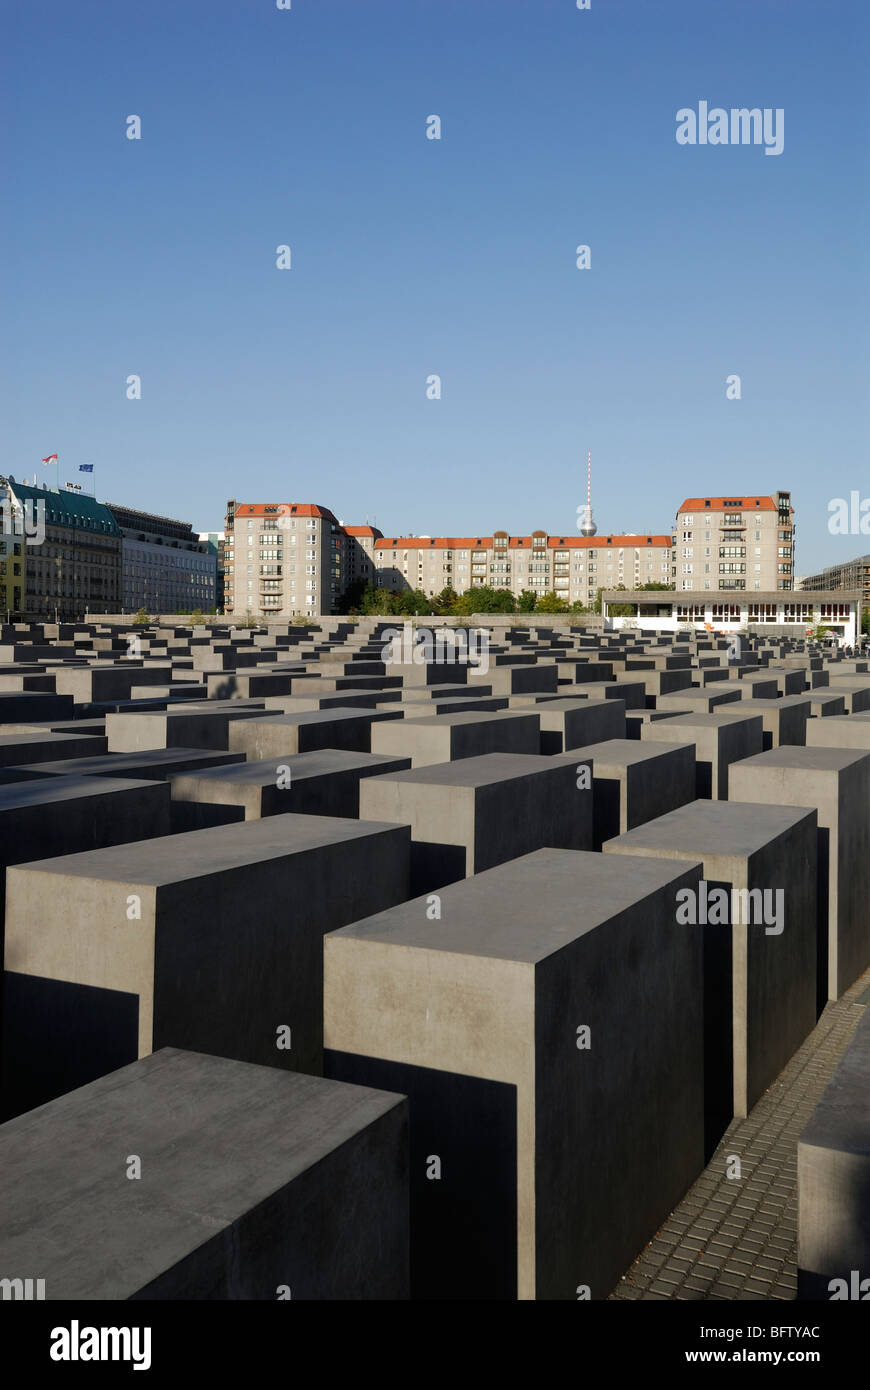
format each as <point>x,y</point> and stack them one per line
<point>737,1238</point>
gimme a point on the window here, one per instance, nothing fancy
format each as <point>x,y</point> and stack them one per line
<point>797,612</point>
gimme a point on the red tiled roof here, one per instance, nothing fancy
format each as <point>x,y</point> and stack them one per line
<point>717,504</point>
<point>283,509</point>
<point>518,542</point>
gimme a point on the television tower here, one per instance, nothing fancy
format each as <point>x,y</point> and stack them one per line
<point>587,526</point>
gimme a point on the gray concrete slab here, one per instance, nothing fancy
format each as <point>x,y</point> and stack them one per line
<point>18,705</point>
<point>840,731</point>
<point>784,719</point>
<point>760,954</point>
<point>631,692</point>
<point>151,764</point>
<point>833,1159</point>
<point>574,723</point>
<point>720,739</point>
<point>179,727</point>
<point>836,783</point>
<point>483,1014</point>
<point>48,816</point>
<point>325,782</point>
<point>473,814</point>
<point>700,699</point>
<point>280,735</point>
<point>19,750</point>
<point>635,782</point>
<point>824,704</point>
<point>217,934</point>
<point>447,737</point>
<point>252,1181</point>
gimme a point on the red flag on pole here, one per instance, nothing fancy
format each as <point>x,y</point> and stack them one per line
<point>52,458</point>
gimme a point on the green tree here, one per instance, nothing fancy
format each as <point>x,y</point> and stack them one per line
<point>485,599</point>
<point>618,610</point>
<point>141,619</point>
<point>444,604</point>
<point>413,603</point>
<point>551,603</point>
<point>526,601</point>
<point>351,599</point>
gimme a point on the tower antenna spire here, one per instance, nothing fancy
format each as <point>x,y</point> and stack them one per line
<point>588,527</point>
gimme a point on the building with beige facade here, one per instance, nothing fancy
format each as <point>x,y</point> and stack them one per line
<point>739,543</point>
<point>286,558</point>
<point>574,567</point>
<point>282,559</point>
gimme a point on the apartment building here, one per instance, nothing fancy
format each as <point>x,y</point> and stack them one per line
<point>165,568</point>
<point>282,559</point>
<point>12,561</point>
<point>215,542</point>
<point>287,558</point>
<point>851,574</point>
<point>735,543</point>
<point>574,567</point>
<point>359,563</point>
<point>77,565</point>
<point>12,565</point>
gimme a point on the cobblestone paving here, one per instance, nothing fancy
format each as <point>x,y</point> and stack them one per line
<point>737,1238</point>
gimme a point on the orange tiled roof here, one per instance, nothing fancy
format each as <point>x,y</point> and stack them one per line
<point>518,542</point>
<point>718,504</point>
<point>282,509</point>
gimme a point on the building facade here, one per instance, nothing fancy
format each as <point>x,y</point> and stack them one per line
<point>12,560</point>
<point>282,559</point>
<point>574,567</point>
<point>359,561</point>
<point>296,558</point>
<point>774,612</point>
<point>215,542</point>
<point>735,543</point>
<point>851,574</point>
<point>76,567</point>
<point>12,565</point>
<point>166,567</point>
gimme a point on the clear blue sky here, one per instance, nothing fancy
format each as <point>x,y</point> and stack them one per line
<point>307,127</point>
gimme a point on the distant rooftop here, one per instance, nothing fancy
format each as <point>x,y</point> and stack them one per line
<point>74,509</point>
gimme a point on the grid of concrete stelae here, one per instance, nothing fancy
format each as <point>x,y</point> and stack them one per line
<point>350,945</point>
